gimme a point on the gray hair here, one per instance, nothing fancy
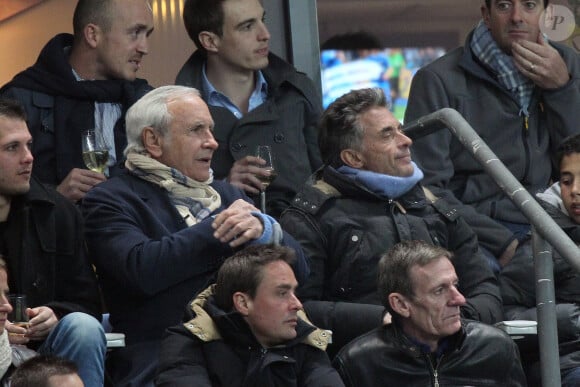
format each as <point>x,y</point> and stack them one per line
<point>394,272</point>
<point>151,111</point>
<point>340,127</point>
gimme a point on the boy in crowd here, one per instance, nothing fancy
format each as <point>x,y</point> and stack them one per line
<point>562,202</point>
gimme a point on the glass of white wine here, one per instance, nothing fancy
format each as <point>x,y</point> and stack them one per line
<point>95,153</point>
<point>265,153</point>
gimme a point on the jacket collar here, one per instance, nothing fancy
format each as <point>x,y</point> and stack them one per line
<point>411,346</point>
<point>210,321</point>
<point>38,195</point>
<point>276,73</point>
<point>344,186</point>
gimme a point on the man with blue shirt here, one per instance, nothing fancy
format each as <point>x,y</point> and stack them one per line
<point>255,98</point>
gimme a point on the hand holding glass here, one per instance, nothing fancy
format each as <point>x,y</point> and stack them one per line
<point>18,316</point>
<point>95,153</point>
<point>265,153</point>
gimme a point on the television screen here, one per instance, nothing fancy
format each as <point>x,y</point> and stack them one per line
<point>391,69</point>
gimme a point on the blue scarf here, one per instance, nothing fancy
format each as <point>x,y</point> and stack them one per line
<point>387,186</point>
<point>508,75</point>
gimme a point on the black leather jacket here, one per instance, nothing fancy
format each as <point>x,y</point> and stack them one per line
<point>477,355</point>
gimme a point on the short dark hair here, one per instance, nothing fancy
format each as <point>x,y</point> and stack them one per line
<point>36,371</point>
<point>488,3</point>
<point>569,146</point>
<point>11,109</point>
<point>352,41</point>
<point>394,274</point>
<point>243,271</point>
<point>340,126</point>
<point>99,12</point>
<point>203,15</point>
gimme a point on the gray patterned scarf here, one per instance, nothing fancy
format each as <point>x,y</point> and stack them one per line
<point>508,75</point>
<point>194,200</point>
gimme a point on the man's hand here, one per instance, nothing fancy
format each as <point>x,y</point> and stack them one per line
<point>541,63</point>
<point>42,320</point>
<point>243,174</point>
<point>78,182</point>
<point>508,253</point>
<point>16,334</point>
<point>236,225</point>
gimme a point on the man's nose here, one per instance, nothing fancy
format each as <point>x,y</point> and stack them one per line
<point>296,304</point>
<point>517,11</point>
<point>403,139</point>
<point>143,47</point>
<point>457,299</point>
<point>28,158</point>
<point>264,34</point>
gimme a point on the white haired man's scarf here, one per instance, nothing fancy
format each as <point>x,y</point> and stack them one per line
<point>194,200</point>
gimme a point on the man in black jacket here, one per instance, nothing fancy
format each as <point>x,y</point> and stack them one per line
<point>366,199</point>
<point>255,98</point>
<point>247,330</point>
<point>41,238</point>
<point>80,82</point>
<point>520,92</point>
<point>428,343</point>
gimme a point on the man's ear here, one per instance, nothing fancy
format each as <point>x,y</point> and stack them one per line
<point>241,303</point>
<point>152,142</point>
<point>399,304</point>
<point>92,34</point>
<point>209,41</point>
<point>352,158</point>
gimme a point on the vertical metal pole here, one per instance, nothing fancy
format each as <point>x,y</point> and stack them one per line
<point>543,227</point>
<point>546,306</point>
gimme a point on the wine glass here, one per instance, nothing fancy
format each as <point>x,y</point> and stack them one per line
<point>265,153</point>
<point>95,153</point>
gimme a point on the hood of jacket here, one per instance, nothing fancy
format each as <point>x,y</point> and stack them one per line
<point>212,323</point>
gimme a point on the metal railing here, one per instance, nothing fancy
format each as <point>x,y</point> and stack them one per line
<point>543,225</point>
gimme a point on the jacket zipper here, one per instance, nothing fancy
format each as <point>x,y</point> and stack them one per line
<point>435,369</point>
<point>526,147</point>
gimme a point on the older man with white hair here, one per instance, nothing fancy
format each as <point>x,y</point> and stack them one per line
<point>158,233</point>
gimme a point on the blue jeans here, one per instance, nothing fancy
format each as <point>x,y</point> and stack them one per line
<point>491,259</point>
<point>571,377</point>
<point>80,338</point>
<point>521,230</point>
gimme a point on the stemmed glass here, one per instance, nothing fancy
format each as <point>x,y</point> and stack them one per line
<point>265,153</point>
<point>95,153</point>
